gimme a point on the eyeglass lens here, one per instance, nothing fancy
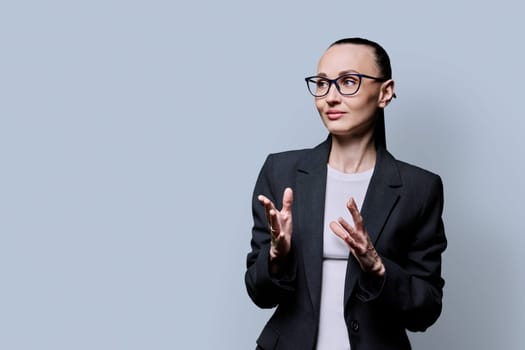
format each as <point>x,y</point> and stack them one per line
<point>347,85</point>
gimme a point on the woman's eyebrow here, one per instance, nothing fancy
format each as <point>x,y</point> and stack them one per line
<point>348,71</point>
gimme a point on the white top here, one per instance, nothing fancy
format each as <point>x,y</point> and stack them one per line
<point>340,187</point>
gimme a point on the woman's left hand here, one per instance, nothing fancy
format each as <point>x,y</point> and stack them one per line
<point>358,240</point>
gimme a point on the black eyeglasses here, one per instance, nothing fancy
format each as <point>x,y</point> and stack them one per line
<point>347,84</point>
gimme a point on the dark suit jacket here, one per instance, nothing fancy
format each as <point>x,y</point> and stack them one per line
<point>402,214</point>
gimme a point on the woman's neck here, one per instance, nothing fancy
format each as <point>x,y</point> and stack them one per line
<point>352,155</point>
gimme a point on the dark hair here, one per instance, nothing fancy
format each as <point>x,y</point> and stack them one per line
<point>383,63</point>
<point>382,59</point>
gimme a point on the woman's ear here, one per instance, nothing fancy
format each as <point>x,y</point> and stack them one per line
<point>386,94</point>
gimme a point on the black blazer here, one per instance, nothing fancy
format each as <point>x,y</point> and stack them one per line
<point>402,214</point>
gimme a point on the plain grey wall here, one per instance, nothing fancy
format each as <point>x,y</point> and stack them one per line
<point>131,134</point>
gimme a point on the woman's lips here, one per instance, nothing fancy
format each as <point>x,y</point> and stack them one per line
<point>334,114</point>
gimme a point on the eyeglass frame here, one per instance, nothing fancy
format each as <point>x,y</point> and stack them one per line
<point>334,82</point>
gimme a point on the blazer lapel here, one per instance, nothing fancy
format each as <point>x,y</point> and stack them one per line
<point>310,196</point>
<point>381,197</point>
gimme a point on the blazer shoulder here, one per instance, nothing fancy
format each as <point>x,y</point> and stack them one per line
<point>289,158</point>
<point>414,173</point>
<point>290,154</point>
<point>420,184</point>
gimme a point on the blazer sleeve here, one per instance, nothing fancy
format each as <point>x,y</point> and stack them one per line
<point>265,289</point>
<point>414,288</point>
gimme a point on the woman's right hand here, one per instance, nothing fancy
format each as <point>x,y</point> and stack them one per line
<point>280,225</point>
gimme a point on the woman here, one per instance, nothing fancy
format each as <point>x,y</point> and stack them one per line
<point>353,257</point>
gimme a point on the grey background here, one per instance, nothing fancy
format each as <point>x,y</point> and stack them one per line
<point>131,134</point>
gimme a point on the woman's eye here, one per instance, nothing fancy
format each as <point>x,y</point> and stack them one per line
<point>321,84</point>
<point>348,82</point>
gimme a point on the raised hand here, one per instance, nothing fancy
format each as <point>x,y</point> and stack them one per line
<point>280,225</point>
<point>358,240</point>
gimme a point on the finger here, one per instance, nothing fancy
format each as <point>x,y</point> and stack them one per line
<point>342,233</point>
<point>356,216</point>
<point>275,229</point>
<point>287,199</point>
<point>357,236</point>
<point>268,205</point>
<point>346,225</point>
<point>271,216</point>
<point>265,201</point>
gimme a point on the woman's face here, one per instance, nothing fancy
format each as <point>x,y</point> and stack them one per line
<point>352,115</point>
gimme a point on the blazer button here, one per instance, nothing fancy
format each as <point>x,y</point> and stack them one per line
<point>354,325</point>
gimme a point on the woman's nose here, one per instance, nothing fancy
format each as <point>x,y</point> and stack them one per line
<point>333,96</point>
